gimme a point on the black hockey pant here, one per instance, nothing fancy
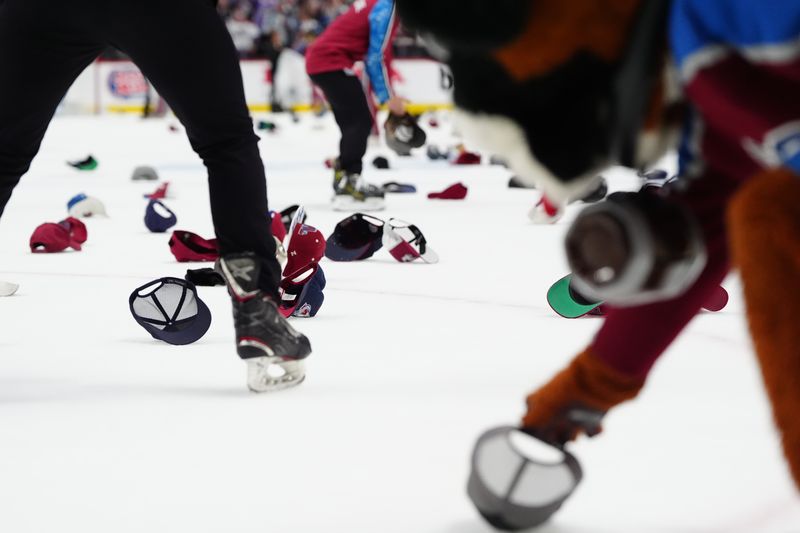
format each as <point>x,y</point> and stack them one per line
<point>183,47</point>
<point>346,97</point>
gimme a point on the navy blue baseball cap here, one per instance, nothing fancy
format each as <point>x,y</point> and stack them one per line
<point>395,187</point>
<point>170,310</point>
<point>311,297</point>
<point>158,217</point>
<point>357,237</point>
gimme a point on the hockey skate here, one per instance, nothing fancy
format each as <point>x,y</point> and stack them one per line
<point>351,193</point>
<point>272,349</point>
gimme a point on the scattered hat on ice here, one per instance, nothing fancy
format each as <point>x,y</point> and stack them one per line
<point>160,193</point>
<point>399,188</point>
<point>312,296</point>
<point>265,125</point>
<point>355,238</point>
<point>82,206</point>
<point>187,246</point>
<point>381,163</point>
<point>89,163</point>
<point>408,249</point>
<point>467,158</point>
<point>434,153</point>
<point>278,229</point>
<point>7,288</point>
<point>457,191</point>
<point>287,215</point>
<point>144,173</point>
<point>305,249</point>
<point>170,310</point>
<point>158,217</point>
<point>76,228</point>
<point>53,238</point>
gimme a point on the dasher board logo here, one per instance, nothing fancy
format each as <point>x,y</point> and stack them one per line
<point>127,83</point>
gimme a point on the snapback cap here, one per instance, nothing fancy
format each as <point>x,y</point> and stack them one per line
<point>568,302</point>
<point>406,242</point>
<point>81,206</point>
<point>158,217</point>
<point>170,310</point>
<point>355,238</point>
<point>53,238</point>
<point>457,191</point>
<point>187,246</point>
<point>305,249</point>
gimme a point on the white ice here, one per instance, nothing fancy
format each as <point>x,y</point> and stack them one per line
<point>103,429</point>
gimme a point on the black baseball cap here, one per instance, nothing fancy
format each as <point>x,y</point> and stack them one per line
<point>354,238</point>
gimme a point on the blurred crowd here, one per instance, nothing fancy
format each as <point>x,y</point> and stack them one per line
<point>262,28</point>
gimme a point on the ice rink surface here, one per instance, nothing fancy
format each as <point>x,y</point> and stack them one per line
<point>103,429</point>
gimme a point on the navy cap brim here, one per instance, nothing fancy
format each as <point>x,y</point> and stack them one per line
<point>336,252</point>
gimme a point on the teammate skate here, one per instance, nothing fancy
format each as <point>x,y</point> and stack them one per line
<point>183,48</point>
<point>363,33</point>
<point>564,102</point>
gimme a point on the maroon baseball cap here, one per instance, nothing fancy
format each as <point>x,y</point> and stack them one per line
<point>467,158</point>
<point>51,238</point>
<point>457,191</point>
<point>278,229</point>
<point>76,228</point>
<point>306,248</point>
<point>187,246</point>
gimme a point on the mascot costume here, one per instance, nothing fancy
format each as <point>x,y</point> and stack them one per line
<point>579,86</point>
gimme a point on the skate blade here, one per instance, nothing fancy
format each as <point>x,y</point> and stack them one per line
<point>348,203</point>
<point>272,374</point>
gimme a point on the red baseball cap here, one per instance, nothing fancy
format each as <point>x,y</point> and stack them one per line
<point>76,228</point>
<point>467,158</point>
<point>306,247</point>
<point>160,193</point>
<point>278,229</point>
<point>187,246</point>
<point>51,238</point>
<point>457,191</point>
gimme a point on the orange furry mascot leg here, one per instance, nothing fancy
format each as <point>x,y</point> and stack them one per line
<point>764,224</point>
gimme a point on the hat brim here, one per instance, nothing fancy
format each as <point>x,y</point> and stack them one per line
<point>193,333</point>
<point>565,302</point>
<point>336,252</point>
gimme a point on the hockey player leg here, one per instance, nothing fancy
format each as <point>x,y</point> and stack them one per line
<point>273,350</point>
<point>29,95</point>
<point>764,225</point>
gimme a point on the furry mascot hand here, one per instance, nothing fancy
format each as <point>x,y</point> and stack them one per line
<point>552,86</point>
<point>575,400</point>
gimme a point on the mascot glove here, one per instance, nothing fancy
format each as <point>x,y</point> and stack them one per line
<point>576,399</point>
